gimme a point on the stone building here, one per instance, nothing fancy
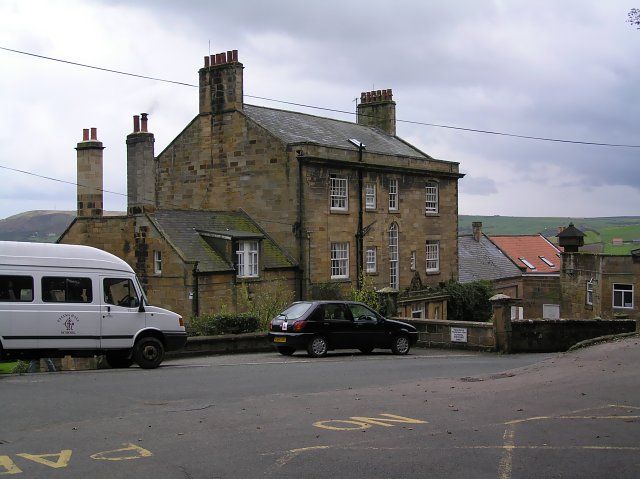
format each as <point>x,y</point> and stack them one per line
<point>524,267</point>
<point>600,286</point>
<point>341,200</point>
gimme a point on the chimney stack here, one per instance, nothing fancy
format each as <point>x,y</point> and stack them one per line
<point>141,168</point>
<point>377,108</point>
<point>477,230</point>
<point>221,83</point>
<point>89,174</point>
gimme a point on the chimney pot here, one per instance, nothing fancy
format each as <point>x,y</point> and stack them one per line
<point>85,134</point>
<point>477,230</point>
<point>223,55</point>
<point>136,123</point>
<point>234,55</point>
<point>94,134</point>
<point>144,122</point>
<point>206,61</point>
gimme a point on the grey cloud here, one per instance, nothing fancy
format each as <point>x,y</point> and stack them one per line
<point>477,185</point>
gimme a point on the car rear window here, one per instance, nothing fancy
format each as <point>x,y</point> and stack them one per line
<point>296,310</point>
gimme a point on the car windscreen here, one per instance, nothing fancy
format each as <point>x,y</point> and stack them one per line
<point>295,310</point>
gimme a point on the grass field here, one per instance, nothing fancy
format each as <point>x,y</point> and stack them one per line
<point>597,230</point>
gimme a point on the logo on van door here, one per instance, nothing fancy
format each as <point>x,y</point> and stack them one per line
<point>68,321</point>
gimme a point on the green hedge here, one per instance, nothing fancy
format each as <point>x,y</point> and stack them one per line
<point>222,323</point>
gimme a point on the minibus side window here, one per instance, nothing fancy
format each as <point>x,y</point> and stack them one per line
<point>120,292</point>
<point>63,289</point>
<point>16,288</point>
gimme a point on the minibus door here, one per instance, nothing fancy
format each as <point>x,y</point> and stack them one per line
<point>120,318</point>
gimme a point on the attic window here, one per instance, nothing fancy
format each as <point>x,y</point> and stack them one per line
<point>247,259</point>
<point>546,261</point>
<point>527,264</point>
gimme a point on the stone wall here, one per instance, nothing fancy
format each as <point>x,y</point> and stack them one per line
<point>538,291</point>
<point>434,333</point>
<point>537,336</point>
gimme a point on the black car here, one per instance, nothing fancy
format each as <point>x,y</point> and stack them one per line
<point>320,326</point>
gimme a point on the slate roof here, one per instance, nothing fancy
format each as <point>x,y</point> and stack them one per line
<point>531,248</point>
<point>483,260</point>
<point>293,127</point>
<point>188,230</point>
<point>570,232</point>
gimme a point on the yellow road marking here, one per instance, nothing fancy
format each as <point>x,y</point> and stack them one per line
<point>506,463</point>
<point>359,422</point>
<point>61,461</point>
<point>294,452</point>
<point>542,418</point>
<point>133,452</point>
<point>9,466</point>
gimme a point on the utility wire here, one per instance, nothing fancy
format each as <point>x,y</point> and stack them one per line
<point>421,123</point>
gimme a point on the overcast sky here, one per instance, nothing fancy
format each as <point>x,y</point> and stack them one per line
<point>558,68</point>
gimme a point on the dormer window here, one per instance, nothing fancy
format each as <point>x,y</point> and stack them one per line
<point>247,259</point>
<point>527,264</point>
<point>547,262</point>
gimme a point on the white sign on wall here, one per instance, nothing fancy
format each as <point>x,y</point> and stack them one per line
<point>458,335</point>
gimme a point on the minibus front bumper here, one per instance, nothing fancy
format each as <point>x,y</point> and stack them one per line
<point>175,340</point>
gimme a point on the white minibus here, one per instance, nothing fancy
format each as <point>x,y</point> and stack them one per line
<point>58,300</point>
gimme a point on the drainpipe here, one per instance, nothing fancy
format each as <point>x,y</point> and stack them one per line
<point>195,305</point>
<point>300,229</point>
<point>359,233</point>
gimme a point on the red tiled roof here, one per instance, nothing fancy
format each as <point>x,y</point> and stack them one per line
<point>530,248</point>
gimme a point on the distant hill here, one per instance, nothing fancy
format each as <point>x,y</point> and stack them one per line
<point>44,226</point>
<point>599,231</point>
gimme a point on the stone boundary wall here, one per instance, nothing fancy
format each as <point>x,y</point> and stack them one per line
<point>224,344</point>
<point>554,335</point>
<point>436,333</point>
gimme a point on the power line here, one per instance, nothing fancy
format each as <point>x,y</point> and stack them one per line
<point>412,122</point>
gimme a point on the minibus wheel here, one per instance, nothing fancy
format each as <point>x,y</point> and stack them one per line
<point>148,352</point>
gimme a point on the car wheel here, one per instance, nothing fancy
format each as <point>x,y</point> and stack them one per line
<point>400,344</point>
<point>317,347</point>
<point>286,350</point>
<point>148,353</point>
<point>366,350</point>
<point>119,361</point>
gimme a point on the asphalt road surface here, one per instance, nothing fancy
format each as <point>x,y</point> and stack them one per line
<point>434,414</point>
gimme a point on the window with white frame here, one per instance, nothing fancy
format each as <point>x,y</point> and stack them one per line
<point>371,260</point>
<point>412,263</point>
<point>247,259</point>
<point>431,203</point>
<point>338,193</point>
<point>393,195</point>
<point>589,297</point>
<point>157,262</point>
<point>339,260</point>
<point>433,256</point>
<point>370,196</point>
<point>622,295</point>
<point>417,311</point>
<point>393,256</point>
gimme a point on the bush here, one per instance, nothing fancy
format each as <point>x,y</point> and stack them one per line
<point>468,301</point>
<point>326,291</point>
<point>265,301</point>
<point>367,294</point>
<point>222,323</point>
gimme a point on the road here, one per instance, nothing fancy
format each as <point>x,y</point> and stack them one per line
<point>433,413</point>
